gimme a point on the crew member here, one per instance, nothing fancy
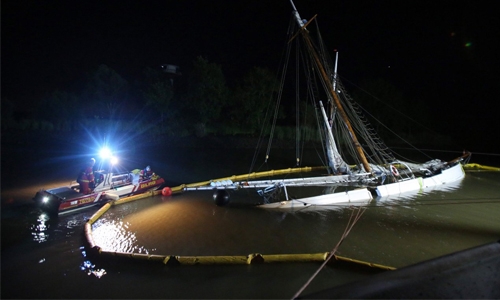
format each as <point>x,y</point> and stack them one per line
<point>86,177</point>
<point>146,173</point>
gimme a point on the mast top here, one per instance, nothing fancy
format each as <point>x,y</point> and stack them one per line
<point>297,16</point>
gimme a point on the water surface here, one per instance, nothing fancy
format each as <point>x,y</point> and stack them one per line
<point>44,257</point>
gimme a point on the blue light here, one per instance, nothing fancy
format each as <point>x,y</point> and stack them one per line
<point>105,153</point>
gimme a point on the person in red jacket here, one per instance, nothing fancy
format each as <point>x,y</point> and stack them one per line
<point>86,178</point>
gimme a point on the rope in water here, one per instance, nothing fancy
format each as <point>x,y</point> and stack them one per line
<point>350,224</point>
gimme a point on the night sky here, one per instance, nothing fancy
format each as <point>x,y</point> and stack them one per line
<point>442,52</point>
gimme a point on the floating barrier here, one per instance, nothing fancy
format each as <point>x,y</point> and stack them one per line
<point>254,175</point>
<point>478,167</point>
<point>254,258</point>
<point>100,212</point>
<point>249,176</point>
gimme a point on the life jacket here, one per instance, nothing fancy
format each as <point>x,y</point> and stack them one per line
<point>80,176</point>
<point>85,175</point>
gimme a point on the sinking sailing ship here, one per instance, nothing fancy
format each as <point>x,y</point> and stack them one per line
<point>375,171</point>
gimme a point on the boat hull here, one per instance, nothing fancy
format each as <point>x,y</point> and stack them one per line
<point>364,196</point>
<point>353,197</point>
<point>67,199</point>
<point>452,174</point>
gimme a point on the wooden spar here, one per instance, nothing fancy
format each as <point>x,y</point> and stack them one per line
<point>308,22</point>
<point>334,95</point>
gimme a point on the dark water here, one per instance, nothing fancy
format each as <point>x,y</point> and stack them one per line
<point>45,257</point>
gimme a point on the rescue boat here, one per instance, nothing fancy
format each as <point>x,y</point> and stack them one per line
<point>108,186</point>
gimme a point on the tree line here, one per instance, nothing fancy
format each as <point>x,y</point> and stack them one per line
<point>199,102</point>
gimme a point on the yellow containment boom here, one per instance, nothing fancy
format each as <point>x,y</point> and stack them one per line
<point>478,167</point>
<point>254,175</point>
<point>254,258</point>
<point>250,259</point>
<point>180,188</point>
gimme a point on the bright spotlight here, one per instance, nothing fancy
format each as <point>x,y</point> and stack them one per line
<point>105,153</point>
<point>45,199</point>
<point>114,160</point>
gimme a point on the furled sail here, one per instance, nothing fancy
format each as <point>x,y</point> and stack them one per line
<point>335,160</point>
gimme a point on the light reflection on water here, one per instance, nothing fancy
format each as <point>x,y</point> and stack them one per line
<point>114,235</point>
<point>89,268</point>
<point>398,233</point>
<point>191,224</point>
<point>39,230</point>
<point>47,228</point>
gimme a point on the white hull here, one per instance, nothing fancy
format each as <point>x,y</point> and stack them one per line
<point>452,174</point>
<point>354,197</point>
<point>364,196</point>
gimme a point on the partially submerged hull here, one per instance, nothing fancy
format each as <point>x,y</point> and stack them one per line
<point>354,197</point>
<point>363,196</point>
<point>450,175</point>
<point>358,188</point>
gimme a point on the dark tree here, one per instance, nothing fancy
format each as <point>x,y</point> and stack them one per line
<point>389,110</point>
<point>61,108</point>
<point>158,93</point>
<point>106,93</point>
<point>251,99</point>
<point>207,93</point>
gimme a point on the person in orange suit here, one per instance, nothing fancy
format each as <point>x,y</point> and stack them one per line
<point>86,177</point>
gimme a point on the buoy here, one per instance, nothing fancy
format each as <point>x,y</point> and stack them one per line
<point>221,197</point>
<point>166,191</point>
<point>394,170</point>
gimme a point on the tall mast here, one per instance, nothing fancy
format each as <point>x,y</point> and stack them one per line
<point>332,92</point>
<point>334,79</point>
<point>335,71</point>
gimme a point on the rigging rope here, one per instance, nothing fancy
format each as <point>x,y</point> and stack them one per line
<point>286,56</point>
<point>350,224</point>
<point>395,110</point>
<point>380,153</point>
<point>297,104</point>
